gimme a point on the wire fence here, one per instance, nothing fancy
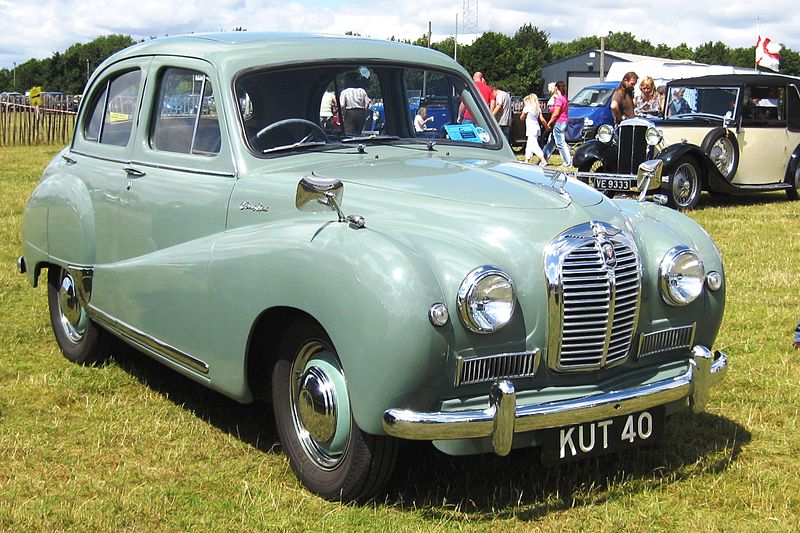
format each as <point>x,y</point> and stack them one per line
<point>22,124</point>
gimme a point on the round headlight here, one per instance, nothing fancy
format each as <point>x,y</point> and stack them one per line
<point>653,136</point>
<point>604,133</point>
<point>682,276</point>
<point>486,300</point>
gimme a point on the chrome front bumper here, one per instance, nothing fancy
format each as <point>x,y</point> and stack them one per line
<point>502,418</point>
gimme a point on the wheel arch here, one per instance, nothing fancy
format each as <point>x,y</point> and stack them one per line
<point>711,177</point>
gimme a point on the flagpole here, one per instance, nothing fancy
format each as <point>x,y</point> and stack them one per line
<point>758,42</point>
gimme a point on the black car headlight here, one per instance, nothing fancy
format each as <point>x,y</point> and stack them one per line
<point>604,133</point>
<point>682,276</point>
<point>486,300</point>
<point>653,136</point>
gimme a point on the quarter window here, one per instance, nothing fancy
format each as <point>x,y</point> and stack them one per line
<point>113,110</point>
<point>186,119</point>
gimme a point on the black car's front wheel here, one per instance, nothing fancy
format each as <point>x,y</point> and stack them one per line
<point>327,451</point>
<point>685,185</point>
<point>80,340</point>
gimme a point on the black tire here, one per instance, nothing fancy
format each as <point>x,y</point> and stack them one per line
<point>685,184</point>
<point>593,165</point>
<point>794,192</point>
<point>722,149</point>
<point>80,340</point>
<point>328,453</point>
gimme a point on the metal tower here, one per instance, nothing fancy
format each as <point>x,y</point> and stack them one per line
<point>470,16</point>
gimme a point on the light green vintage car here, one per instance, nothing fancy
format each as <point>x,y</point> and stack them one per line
<point>260,214</point>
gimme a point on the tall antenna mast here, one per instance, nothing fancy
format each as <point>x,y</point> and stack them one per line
<point>470,15</point>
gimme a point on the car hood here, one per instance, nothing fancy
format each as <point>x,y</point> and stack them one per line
<point>477,181</point>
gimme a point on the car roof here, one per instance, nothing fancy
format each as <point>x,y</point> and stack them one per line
<point>774,80</point>
<point>232,51</point>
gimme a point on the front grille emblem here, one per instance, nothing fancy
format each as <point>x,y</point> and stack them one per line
<point>609,257</point>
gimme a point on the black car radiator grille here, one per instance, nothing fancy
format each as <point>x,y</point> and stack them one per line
<point>594,303</point>
<point>632,148</point>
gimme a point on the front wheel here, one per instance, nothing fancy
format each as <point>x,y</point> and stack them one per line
<point>327,451</point>
<point>686,185</point>
<point>80,340</point>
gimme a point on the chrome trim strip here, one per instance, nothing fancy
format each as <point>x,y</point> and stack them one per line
<point>704,371</point>
<point>148,342</point>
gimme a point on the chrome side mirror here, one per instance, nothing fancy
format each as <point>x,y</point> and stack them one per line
<point>648,177</point>
<point>314,190</point>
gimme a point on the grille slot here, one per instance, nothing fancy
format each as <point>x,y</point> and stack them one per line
<point>666,340</point>
<point>492,367</point>
<point>632,148</point>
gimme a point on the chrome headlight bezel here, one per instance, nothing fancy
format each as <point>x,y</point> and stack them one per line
<point>474,315</point>
<point>682,276</point>
<point>604,133</point>
<point>653,136</point>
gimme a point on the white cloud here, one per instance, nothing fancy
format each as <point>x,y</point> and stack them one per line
<point>54,25</point>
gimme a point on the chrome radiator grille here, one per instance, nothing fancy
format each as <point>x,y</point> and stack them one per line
<point>492,367</point>
<point>666,340</point>
<point>632,147</point>
<point>594,285</point>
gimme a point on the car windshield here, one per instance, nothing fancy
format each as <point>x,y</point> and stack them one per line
<point>592,97</point>
<point>718,101</point>
<point>321,107</point>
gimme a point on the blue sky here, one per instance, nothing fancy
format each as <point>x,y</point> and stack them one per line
<point>53,25</point>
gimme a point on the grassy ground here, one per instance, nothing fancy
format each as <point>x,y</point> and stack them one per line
<point>133,446</point>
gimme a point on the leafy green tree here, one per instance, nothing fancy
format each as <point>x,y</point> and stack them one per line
<point>532,50</point>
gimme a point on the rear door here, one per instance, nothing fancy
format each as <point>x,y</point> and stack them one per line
<point>763,138</point>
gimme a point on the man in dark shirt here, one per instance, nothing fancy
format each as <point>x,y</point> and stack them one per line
<point>622,101</point>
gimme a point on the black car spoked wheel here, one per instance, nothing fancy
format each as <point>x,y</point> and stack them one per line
<point>722,148</point>
<point>80,340</point>
<point>685,185</point>
<point>329,454</point>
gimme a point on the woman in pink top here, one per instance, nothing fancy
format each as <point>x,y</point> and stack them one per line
<point>559,115</point>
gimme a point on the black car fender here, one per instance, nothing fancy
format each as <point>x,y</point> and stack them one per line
<point>713,180</point>
<point>594,150</point>
<point>793,166</point>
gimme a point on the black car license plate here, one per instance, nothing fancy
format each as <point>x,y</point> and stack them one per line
<point>572,443</point>
<point>612,184</point>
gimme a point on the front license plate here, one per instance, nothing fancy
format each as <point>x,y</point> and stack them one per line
<point>612,184</point>
<point>572,443</point>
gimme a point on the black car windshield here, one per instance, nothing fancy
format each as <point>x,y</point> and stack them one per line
<point>322,107</point>
<point>718,101</point>
<point>592,97</point>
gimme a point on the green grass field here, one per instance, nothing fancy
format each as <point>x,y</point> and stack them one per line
<point>132,446</point>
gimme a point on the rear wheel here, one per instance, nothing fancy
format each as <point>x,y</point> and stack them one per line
<point>80,340</point>
<point>686,185</point>
<point>794,192</point>
<point>327,451</point>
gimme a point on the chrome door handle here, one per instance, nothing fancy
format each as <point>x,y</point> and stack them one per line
<point>133,172</point>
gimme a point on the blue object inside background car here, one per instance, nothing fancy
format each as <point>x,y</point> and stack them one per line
<point>592,107</point>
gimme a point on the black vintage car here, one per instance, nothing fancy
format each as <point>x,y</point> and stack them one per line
<point>725,134</point>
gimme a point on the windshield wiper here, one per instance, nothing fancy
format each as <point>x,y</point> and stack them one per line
<point>298,144</point>
<point>373,137</point>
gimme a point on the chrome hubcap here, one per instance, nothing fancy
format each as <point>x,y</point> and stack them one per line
<point>722,155</point>
<point>72,316</point>
<point>317,404</point>
<point>320,405</point>
<point>685,184</point>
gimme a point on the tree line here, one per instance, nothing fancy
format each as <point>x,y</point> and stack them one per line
<point>513,63</point>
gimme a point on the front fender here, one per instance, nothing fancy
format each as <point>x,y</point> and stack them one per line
<point>712,178</point>
<point>369,292</point>
<point>593,150</point>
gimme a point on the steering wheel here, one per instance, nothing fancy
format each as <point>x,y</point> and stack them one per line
<point>315,128</point>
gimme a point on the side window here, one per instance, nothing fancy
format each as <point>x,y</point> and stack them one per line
<point>113,109</point>
<point>764,104</point>
<point>186,119</point>
<point>793,113</point>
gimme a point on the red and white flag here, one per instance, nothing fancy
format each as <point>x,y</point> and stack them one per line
<point>767,53</point>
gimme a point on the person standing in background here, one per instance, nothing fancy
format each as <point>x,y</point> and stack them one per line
<point>486,94</point>
<point>559,116</point>
<point>532,115</point>
<point>501,109</point>
<point>622,100</point>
